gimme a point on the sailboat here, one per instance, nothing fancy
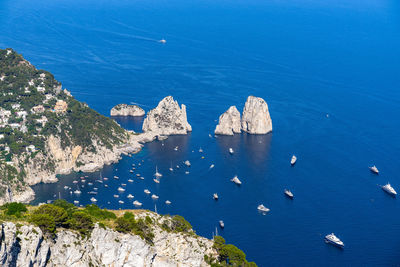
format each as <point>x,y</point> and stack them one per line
<point>157,174</point>
<point>170,168</point>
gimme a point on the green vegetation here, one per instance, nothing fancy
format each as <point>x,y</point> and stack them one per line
<point>177,224</point>
<point>128,224</point>
<point>14,208</point>
<point>228,255</point>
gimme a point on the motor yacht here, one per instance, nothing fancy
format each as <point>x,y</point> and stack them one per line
<point>389,189</point>
<point>334,240</point>
<point>137,203</point>
<point>288,193</point>
<point>293,160</point>
<point>231,151</point>
<point>374,169</point>
<point>236,180</point>
<point>130,196</point>
<point>147,191</point>
<point>154,196</point>
<point>262,208</point>
<point>221,224</point>
<point>215,196</point>
<point>167,202</point>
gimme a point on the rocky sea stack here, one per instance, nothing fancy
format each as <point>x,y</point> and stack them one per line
<point>127,110</point>
<point>167,118</point>
<point>255,119</point>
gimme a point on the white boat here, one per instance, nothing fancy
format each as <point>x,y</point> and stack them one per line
<point>201,150</point>
<point>141,178</point>
<point>137,174</point>
<point>389,189</point>
<point>120,189</point>
<point>288,193</point>
<point>147,191</point>
<point>293,160</point>
<point>157,174</point>
<point>163,41</point>
<point>171,169</point>
<point>66,187</point>
<point>262,208</point>
<point>236,180</point>
<point>93,199</point>
<point>83,180</point>
<point>156,181</point>
<point>130,180</point>
<point>334,240</point>
<point>221,224</point>
<point>76,202</point>
<point>90,183</point>
<point>167,202</point>
<point>116,177</point>
<point>374,169</point>
<point>105,179</point>
<point>106,185</point>
<point>131,171</point>
<point>130,196</point>
<point>121,202</point>
<point>186,172</point>
<point>116,196</point>
<point>176,148</point>
<point>215,196</point>
<point>212,166</point>
<point>154,196</point>
<point>231,151</point>
<point>77,192</point>
<point>137,203</point>
<point>75,182</point>
<point>177,166</point>
<point>187,163</point>
<point>123,184</point>
<point>209,135</point>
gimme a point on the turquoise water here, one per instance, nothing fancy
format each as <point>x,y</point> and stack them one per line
<point>305,58</point>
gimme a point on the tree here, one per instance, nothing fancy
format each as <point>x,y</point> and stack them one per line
<point>15,208</point>
<point>82,222</point>
<point>59,215</point>
<point>45,222</point>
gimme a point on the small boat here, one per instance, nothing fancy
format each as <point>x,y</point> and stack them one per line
<point>121,202</point>
<point>123,184</point>
<point>92,193</point>
<point>95,188</point>
<point>163,41</point>
<point>215,196</point>
<point>293,160</point>
<point>116,177</point>
<point>157,174</point>
<point>131,171</point>
<point>262,208</point>
<point>176,148</point>
<point>106,185</point>
<point>201,150</point>
<point>76,202</point>
<point>130,196</point>
<point>167,202</point>
<point>75,182</point>
<point>231,151</point>
<point>187,163</point>
<point>186,172</point>
<point>120,189</point>
<point>66,187</point>
<point>133,165</point>
<point>334,240</point>
<point>177,166</point>
<point>147,191</point>
<point>83,181</point>
<point>137,174</point>
<point>171,169</point>
<point>288,193</point>
<point>236,180</point>
<point>93,199</point>
<point>154,196</point>
<point>90,183</point>
<point>221,224</point>
<point>141,178</point>
<point>116,196</point>
<point>105,179</point>
<point>156,181</point>
<point>130,180</point>
<point>77,192</point>
<point>137,203</point>
<point>374,169</point>
<point>389,189</point>
<point>212,166</point>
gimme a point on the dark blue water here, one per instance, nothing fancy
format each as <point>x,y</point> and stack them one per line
<point>306,58</point>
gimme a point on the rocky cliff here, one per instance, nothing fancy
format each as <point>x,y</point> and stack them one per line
<point>255,119</point>
<point>127,110</point>
<point>229,122</point>
<point>167,118</point>
<point>26,246</point>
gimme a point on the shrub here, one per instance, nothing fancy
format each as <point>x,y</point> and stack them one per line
<point>15,208</point>
<point>179,224</point>
<point>59,215</point>
<point>68,207</point>
<point>124,225</point>
<point>98,213</point>
<point>45,222</point>
<point>82,222</point>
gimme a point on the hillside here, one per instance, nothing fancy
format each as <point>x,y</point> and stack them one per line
<point>45,131</point>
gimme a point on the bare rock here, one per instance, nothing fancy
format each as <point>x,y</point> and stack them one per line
<point>167,118</point>
<point>256,118</point>
<point>229,122</point>
<point>127,110</point>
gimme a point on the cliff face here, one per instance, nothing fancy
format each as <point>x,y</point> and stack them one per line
<point>229,122</point>
<point>255,119</point>
<point>167,118</point>
<point>26,246</point>
<point>127,110</point>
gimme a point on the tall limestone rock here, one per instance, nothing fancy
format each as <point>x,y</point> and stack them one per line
<point>229,122</point>
<point>256,118</point>
<point>167,118</point>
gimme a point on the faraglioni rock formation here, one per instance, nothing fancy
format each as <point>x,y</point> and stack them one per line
<point>167,118</point>
<point>256,118</point>
<point>26,245</point>
<point>127,110</point>
<point>229,122</point>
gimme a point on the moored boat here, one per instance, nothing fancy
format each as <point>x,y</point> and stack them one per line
<point>288,193</point>
<point>215,196</point>
<point>374,169</point>
<point>389,189</point>
<point>334,240</point>
<point>293,160</point>
<point>236,180</point>
<point>262,208</point>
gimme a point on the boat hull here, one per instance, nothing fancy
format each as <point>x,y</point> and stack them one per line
<point>334,243</point>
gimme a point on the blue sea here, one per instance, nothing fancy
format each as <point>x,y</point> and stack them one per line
<point>306,58</point>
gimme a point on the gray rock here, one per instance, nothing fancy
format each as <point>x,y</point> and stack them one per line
<point>127,110</point>
<point>167,118</point>
<point>256,118</point>
<point>229,122</point>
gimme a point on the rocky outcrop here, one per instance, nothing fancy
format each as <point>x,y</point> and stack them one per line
<point>229,122</point>
<point>26,246</point>
<point>127,110</point>
<point>256,118</point>
<point>167,118</point>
